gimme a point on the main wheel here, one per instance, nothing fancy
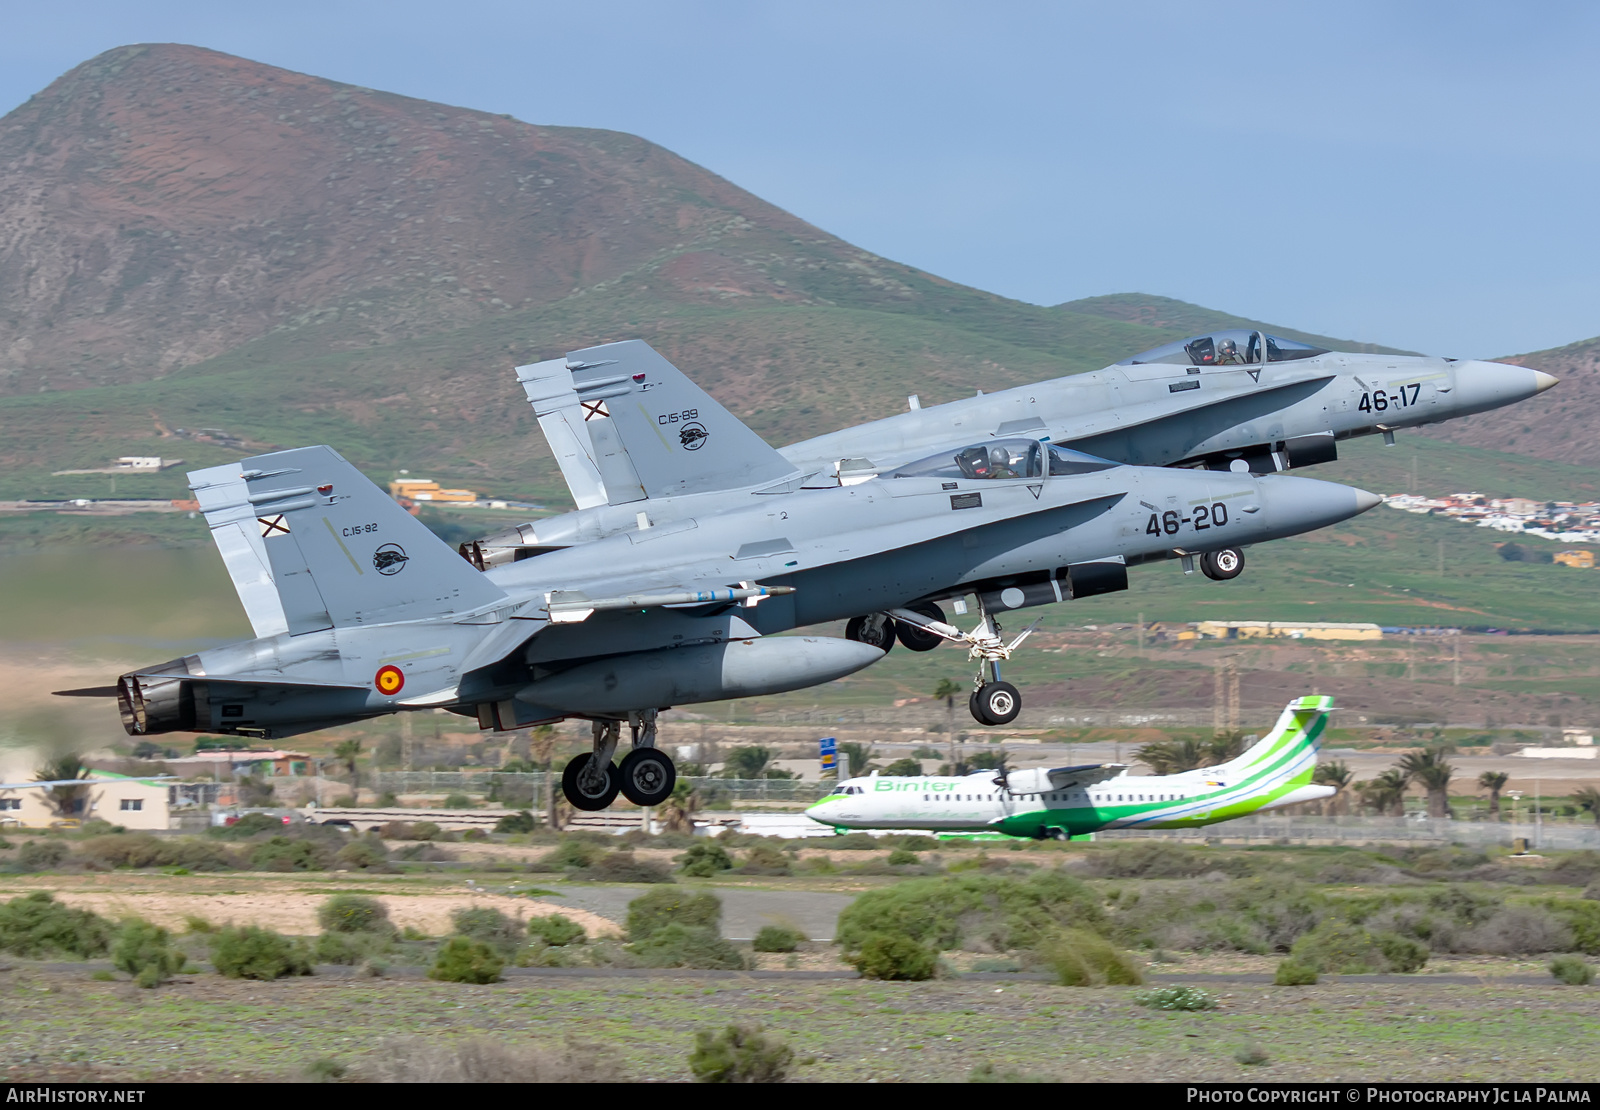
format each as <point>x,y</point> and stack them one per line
<point>648,776</point>
<point>1000,702</point>
<point>874,628</point>
<point>975,707</point>
<point>581,799</point>
<point>1222,565</point>
<point>917,639</point>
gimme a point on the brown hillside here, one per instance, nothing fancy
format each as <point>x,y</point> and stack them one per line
<point>160,205</point>
<point>1559,425</point>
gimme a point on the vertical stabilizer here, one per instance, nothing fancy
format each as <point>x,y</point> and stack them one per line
<point>1290,749</point>
<point>671,434</point>
<point>339,549</point>
<point>549,389</point>
<point>232,519</point>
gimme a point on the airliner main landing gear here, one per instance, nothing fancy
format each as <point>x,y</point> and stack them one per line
<point>993,702</point>
<point>646,777</point>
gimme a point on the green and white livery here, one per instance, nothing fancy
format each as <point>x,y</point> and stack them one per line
<point>1059,802</point>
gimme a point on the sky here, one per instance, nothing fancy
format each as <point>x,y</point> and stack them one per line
<point>1407,173</point>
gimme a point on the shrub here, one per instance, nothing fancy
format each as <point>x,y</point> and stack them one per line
<point>249,825</point>
<point>365,854</point>
<point>36,924</point>
<point>739,1054</point>
<point>1250,1055</point>
<point>1520,930</point>
<point>570,853</point>
<point>1401,953</point>
<point>464,960</point>
<point>1176,998</point>
<point>1293,974</point>
<point>702,861</point>
<point>1082,959</point>
<point>659,908</point>
<point>893,956</point>
<point>777,938</point>
<point>489,926</point>
<point>622,867</point>
<point>900,857</point>
<point>349,948</point>
<point>520,822</point>
<point>764,859</point>
<point>144,951</point>
<point>556,930</point>
<point>1582,918</point>
<point>251,952</point>
<point>1338,946</point>
<point>1149,859</point>
<point>490,1059</point>
<point>978,911</point>
<point>280,853</point>
<point>143,850</point>
<point>426,830</point>
<point>457,801</point>
<point>354,913</point>
<point>680,945</point>
<point>41,855</point>
<point>1572,970</point>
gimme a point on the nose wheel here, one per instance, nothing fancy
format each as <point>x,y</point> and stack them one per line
<point>645,777</point>
<point>1220,566</point>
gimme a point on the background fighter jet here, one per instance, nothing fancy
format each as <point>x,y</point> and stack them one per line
<point>360,611</point>
<point>1231,400</point>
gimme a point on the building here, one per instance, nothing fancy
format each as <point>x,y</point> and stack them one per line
<point>1574,557</point>
<point>139,462</point>
<point>116,799</point>
<point>220,763</point>
<point>1292,630</point>
<point>422,489</point>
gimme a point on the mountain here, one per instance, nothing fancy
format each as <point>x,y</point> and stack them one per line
<point>200,254</point>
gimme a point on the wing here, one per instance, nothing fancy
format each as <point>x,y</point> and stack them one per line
<point>1085,775</point>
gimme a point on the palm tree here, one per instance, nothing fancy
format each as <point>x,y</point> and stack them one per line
<point>858,757</point>
<point>1224,746</point>
<point>1494,782</point>
<point>1588,798</point>
<point>1385,792</point>
<point>1428,769</point>
<point>948,691</point>
<point>677,815</point>
<point>1335,774</point>
<point>68,801</point>
<point>348,752</point>
<point>747,762</point>
<point>1171,757</point>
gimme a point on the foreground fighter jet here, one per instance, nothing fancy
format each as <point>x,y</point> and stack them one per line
<point>360,611</point>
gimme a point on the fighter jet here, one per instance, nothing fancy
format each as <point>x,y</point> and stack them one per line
<point>360,611</point>
<point>1069,801</point>
<point>1235,400</point>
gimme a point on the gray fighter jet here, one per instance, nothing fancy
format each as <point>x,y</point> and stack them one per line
<point>360,611</point>
<point>1233,400</point>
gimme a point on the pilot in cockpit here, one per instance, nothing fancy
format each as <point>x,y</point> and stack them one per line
<point>1000,464</point>
<point>1228,354</point>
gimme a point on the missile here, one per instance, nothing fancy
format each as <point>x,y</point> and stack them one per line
<point>701,672</point>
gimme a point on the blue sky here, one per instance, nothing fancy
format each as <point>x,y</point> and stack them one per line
<point>1418,174</point>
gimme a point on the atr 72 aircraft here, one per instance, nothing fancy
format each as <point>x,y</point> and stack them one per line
<point>1070,801</point>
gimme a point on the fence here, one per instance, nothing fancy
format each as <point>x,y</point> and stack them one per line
<point>531,785</point>
<point>1269,829</point>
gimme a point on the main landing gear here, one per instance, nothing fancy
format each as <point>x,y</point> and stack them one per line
<point>993,701</point>
<point>645,777</point>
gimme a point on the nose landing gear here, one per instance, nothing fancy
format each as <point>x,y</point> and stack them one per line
<point>1222,565</point>
<point>646,776</point>
<point>993,702</point>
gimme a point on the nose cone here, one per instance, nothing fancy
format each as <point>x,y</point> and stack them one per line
<point>1480,386</point>
<point>1291,505</point>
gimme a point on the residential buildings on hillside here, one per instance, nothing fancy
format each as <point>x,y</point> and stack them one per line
<point>1565,521</point>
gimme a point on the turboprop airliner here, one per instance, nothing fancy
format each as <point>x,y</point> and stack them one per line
<point>1059,802</point>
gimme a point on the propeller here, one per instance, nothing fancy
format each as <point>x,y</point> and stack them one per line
<point>1002,777</point>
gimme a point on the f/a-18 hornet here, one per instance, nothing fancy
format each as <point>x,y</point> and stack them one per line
<point>360,611</point>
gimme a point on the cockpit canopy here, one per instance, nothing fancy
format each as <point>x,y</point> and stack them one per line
<point>1004,458</point>
<point>845,788</point>
<point>1238,347</point>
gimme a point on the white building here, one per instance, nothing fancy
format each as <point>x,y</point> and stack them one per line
<point>115,799</point>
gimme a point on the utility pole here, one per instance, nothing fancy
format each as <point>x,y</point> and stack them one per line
<point>1413,474</point>
<point>1233,694</point>
<point>1456,676</point>
<point>1441,556</point>
<point>408,754</point>
<point>1216,696</point>
<point>1141,635</point>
